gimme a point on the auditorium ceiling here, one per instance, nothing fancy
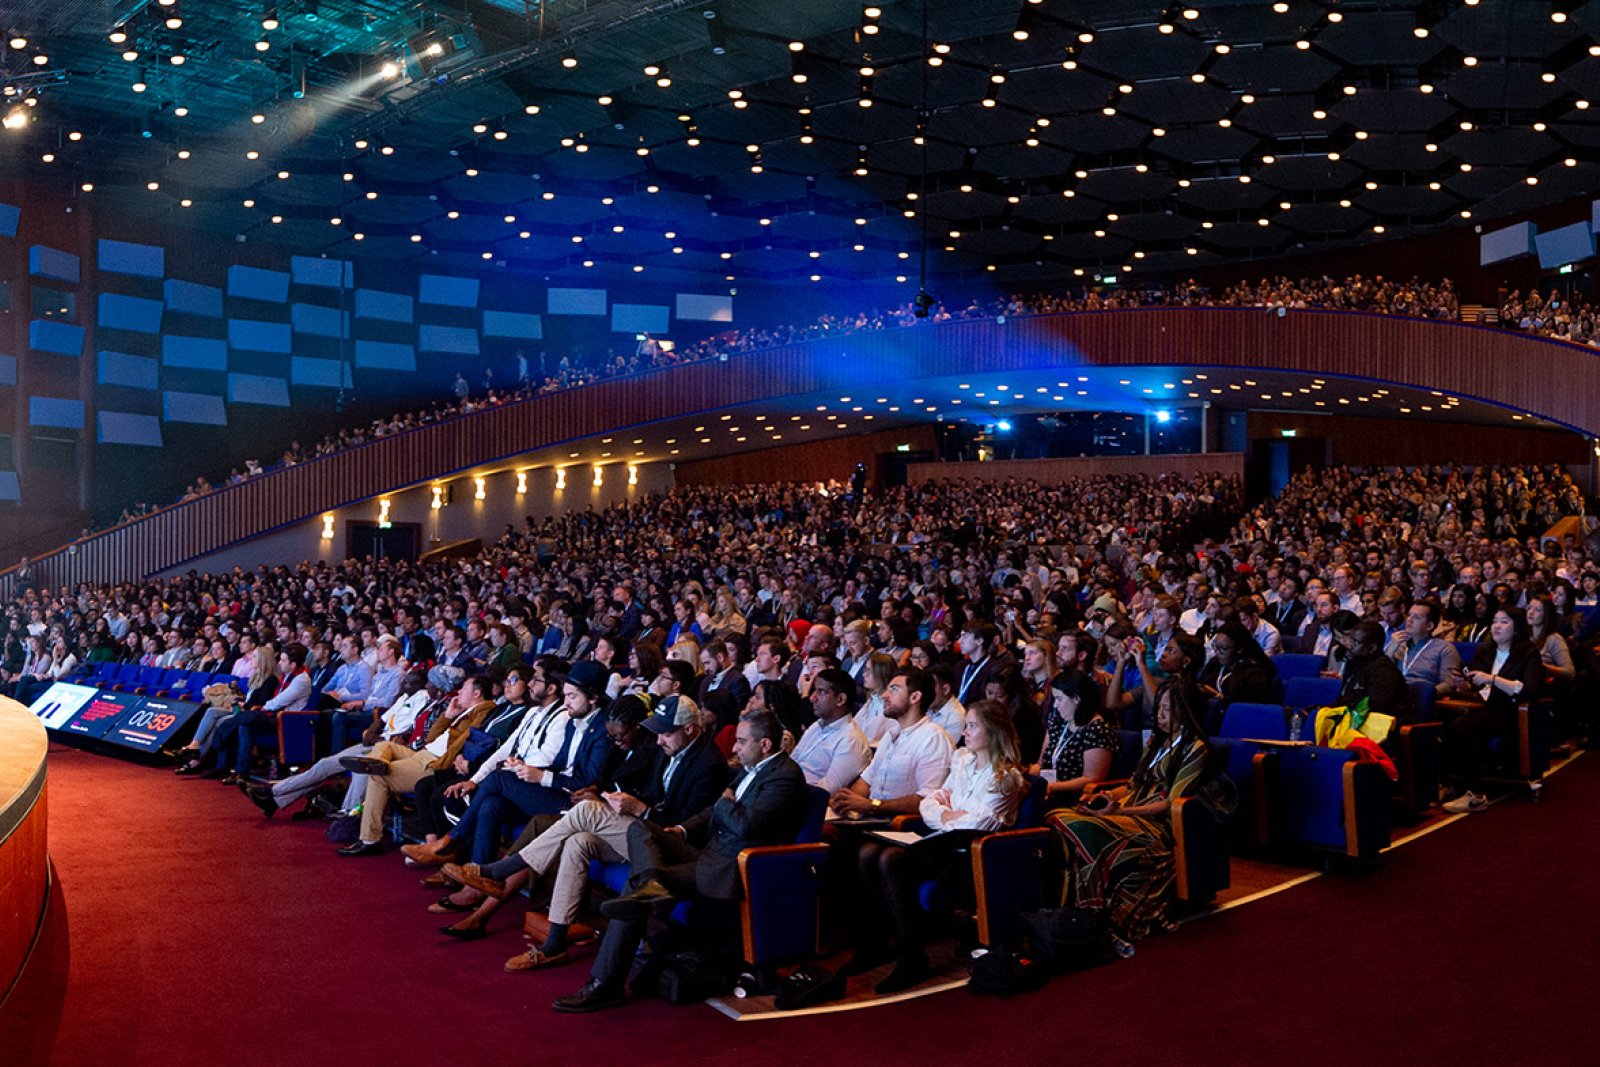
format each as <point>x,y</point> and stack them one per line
<point>766,139</point>
<point>996,404</point>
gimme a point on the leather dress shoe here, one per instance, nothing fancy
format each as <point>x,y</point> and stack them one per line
<point>908,973</point>
<point>364,765</point>
<point>190,769</point>
<point>595,996</point>
<point>534,959</point>
<point>651,898</point>
<point>261,796</point>
<point>469,875</point>
<point>429,855</point>
<point>361,848</point>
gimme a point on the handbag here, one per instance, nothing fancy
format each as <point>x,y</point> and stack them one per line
<point>480,745</point>
<point>1068,938</point>
<point>1003,972</point>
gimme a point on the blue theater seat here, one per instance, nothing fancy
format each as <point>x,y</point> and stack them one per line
<point>1298,665</point>
<point>1328,800</point>
<point>1309,694</point>
<point>1264,721</point>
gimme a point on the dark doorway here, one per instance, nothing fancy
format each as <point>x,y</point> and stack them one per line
<point>1273,461</point>
<point>394,542</point>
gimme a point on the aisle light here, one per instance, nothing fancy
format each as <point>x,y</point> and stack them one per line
<point>633,474</point>
<point>438,498</point>
<point>383,514</point>
<point>327,526</point>
<point>522,482</point>
<point>599,475</point>
<point>482,487</point>
<point>561,478</point>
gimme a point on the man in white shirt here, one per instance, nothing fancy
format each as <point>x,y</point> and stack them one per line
<point>833,751</point>
<point>395,724</point>
<point>1266,634</point>
<point>912,759</point>
<point>947,712</point>
<point>1345,592</point>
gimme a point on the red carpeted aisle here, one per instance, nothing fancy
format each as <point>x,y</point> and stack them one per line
<point>189,930</point>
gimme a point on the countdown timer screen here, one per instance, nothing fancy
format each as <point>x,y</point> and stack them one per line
<point>101,713</point>
<point>149,724</point>
<point>56,707</point>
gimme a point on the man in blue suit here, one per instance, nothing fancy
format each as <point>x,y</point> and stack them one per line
<point>576,754</point>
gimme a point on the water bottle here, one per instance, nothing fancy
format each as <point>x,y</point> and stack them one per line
<point>1123,949</point>
<point>1294,726</point>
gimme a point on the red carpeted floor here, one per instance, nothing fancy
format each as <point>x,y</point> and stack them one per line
<point>187,929</point>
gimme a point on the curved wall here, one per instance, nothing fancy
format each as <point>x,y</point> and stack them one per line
<point>24,866</point>
<point>1554,380</point>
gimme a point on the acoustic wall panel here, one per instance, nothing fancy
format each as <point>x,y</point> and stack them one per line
<point>191,298</point>
<point>10,487</point>
<point>576,301</point>
<point>447,291</point>
<point>62,338</point>
<point>1568,244</point>
<point>319,320</point>
<point>1508,243</point>
<point>253,283</point>
<point>382,355</point>
<point>52,263</point>
<point>258,389</point>
<point>512,324</point>
<point>639,318</point>
<point>124,257</point>
<point>454,340</point>
<point>8,370</point>
<point>59,412</point>
<point>200,408</point>
<point>126,428</point>
<point>130,372</point>
<point>322,273</point>
<point>705,307</point>
<point>386,307</point>
<point>320,373</point>
<point>250,335</point>
<point>10,215</point>
<point>134,313</point>
<point>194,353</point>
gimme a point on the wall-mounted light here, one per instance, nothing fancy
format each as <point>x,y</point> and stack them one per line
<point>599,475</point>
<point>633,474</point>
<point>327,527</point>
<point>561,478</point>
<point>522,482</point>
<point>482,487</point>
<point>383,514</point>
<point>438,498</point>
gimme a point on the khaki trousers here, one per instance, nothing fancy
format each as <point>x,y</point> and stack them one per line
<point>590,831</point>
<point>406,768</point>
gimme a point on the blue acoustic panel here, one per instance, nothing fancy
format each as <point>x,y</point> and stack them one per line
<point>390,307</point>
<point>191,298</point>
<point>258,389</point>
<point>705,307</point>
<point>1509,243</point>
<point>576,301</point>
<point>1568,244</point>
<point>131,372</point>
<point>8,370</point>
<point>201,408</point>
<point>456,340</point>
<point>253,283</point>
<point>194,353</point>
<point>126,428</point>
<point>10,487</point>
<point>639,318</point>
<point>135,313</point>
<point>123,257</point>
<point>322,273</point>
<point>381,355</point>
<point>319,320</point>
<point>55,411</point>
<point>252,336</point>
<point>52,263</point>
<point>512,324</point>
<point>10,215</point>
<point>324,373</point>
<point>450,292</point>
<point>63,338</point>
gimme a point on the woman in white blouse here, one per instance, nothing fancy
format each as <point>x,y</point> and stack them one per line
<point>981,793</point>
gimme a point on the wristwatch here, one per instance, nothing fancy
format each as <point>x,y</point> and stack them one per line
<point>876,803</point>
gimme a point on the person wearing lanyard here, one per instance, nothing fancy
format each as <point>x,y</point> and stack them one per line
<point>1505,674</point>
<point>1079,744</point>
<point>1422,657</point>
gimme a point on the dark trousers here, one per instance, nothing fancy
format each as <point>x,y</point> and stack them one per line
<point>431,801</point>
<point>623,936</point>
<point>891,883</point>
<point>651,850</point>
<point>233,741</point>
<point>501,801</point>
<point>1467,741</point>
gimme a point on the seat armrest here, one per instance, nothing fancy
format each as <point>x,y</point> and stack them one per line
<point>297,737</point>
<point>1200,851</point>
<point>911,823</point>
